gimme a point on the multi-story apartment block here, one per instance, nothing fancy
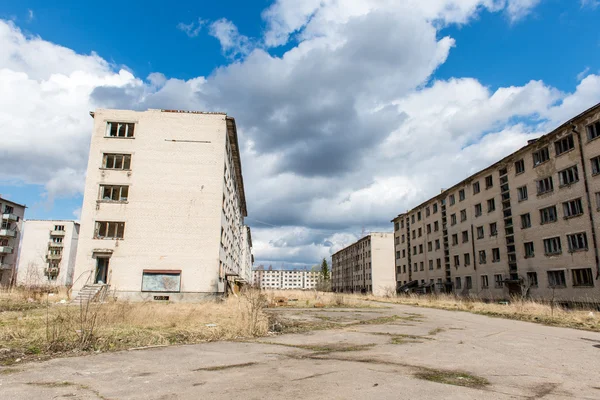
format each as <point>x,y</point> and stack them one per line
<point>164,206</point>
<point>366,266</point>
<point>247,256</point>
<point>285,279</point>
<point>48,251</point>
<point>10,237</point>
<point>526,225</point>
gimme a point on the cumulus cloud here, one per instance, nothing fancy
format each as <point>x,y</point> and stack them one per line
<point>340,133</point>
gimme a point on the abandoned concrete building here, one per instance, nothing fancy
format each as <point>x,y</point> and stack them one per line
<point>526,225</point>
<point>366,266</point>
<point>284,278</point>
<point>48,251</point>
<point>10,238</point>
<point>164,207</point>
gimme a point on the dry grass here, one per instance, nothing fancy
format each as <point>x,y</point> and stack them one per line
<point>527,310</point>
<point>43,329</point>
<point>310,298</point>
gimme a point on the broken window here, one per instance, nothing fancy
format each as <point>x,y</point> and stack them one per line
<point>532,279</point>
<point>114,192</point>
<point>582,277</point>
<point>529,250</point>
<point>552,246</point>
<point>427,212</point>
<point>454,239</point>
<point>491,204</point>
<point>429,246</point>
<point>482,257</point>
<point>568,176</point>
<point>478,209</point>
<point>565,144</point>
<point>496,255</point>
<point>465,236</point>
<point>437,244</point>
<point>456,261</point>
<point>556,279</point>
<point>109,230</point>
<point>484,281</point>
<point>519,167</point>
<point>428,228</point>
<point>419,215</point>
<point>453,219</point>
<point>458,283</point>
<point>573,208</point>
<point>489,181</point>
<point>8,209</point>
<point>593,130</point>
<point>420,232</point>
<point>468,282</point>
<point>522,193</point>
<point>498,281</point>
<point>463,215</point>
<point>435,208</point>
<point>461,194</point>
<point>480,232</point>
<point>548,215</point>
<point>493,229</point>
<point>595,165</point>
<point>431,265</point>
<point>116,161</point>
<point>525,221</point>
<point>544,185</point>
<point>452,200</point>
<point>476,188</point>
<point>438,263</point>
<point>467,257</point>
<point>541,156</point>
<point>120,129</point>
<point>436,226</point>
<point>577,242</point>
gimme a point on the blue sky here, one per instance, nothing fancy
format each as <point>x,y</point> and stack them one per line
<point>497,49</point>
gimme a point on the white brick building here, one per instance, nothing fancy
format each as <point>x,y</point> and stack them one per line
<point>164,206</point>
<point>285,279</point>
<point>10,236</point>
<point>48,250</point>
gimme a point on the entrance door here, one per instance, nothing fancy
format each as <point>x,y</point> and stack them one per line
<point>101,270</point>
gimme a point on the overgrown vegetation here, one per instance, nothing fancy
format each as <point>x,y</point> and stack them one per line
<point>457,378</point>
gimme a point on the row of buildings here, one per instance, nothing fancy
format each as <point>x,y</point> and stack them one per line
<point>162,216</point>
<point>526,225</point>
<point>270,278</point>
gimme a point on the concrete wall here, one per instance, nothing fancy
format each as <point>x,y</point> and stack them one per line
<point>11,238</point>
<point>382,263</point>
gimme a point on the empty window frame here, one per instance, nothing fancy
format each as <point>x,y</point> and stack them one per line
<point>482,257</point>
<point>419,215</point>
<point>593,130</point>
<point>467,258</point>
<point>572,208</point>
<point>109,230</point>
<point>552,246</point>
<point>421,266</point>
<point>491,205</point>
<point>529,250</point>
<point>519,167</point>
<point>565,144</point>
<point>420,232</point>
<point>454,239</point>
<point>480,232</point>
<point>498,280</point>
<point>582,277</point>
<point>120,129</point>
<point>461,194</point>
<point>428,228</point>
<point>478,209</point>
<point>468,282</point>
<point>548,215</point>
<point>114,192</point>
<point>436,226</point>
<point>595,165</point>
<point>465,236</point>
<point>458,283</point>
<point>427,212</point>
<point>429,246</point>
<point>496,255</point>
<point>452,200</point>
<point>522,193</point>
<point>59,228</point>
<point>437,244</point>
<point>463,215</point>
<point>532,279</point>
<point>476,188</point>
<point>456,261</point>
<point>431,265</point>
<point>438,263</point>
<point>577,242</point>
<point>544,185</point>
<point>568,176</point>
<point>556,279</point>
<point>493,229</point>
<point>484,281</point>
<point>540,156</point>
<point>525,221</point>
<point>435,208</point>
<point>116,161</point>
<point>453,219</point>
<point>489,181</point>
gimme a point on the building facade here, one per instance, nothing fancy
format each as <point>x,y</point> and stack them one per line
<point>247,257</point>
<point>48,251</point>
<point>164,206</point>
<point>526,226</point>
<point>10,238</point>
<point>366,266</point>
<point>285,279</point>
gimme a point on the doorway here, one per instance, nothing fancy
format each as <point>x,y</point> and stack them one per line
<point>101,270</point>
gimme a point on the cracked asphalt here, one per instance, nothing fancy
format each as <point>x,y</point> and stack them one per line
<point>395,352</point>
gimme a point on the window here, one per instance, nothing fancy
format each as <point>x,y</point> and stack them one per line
<point>467,257</point>
<point>412,218</point>
<point>568,176</point>
<point>577,242</point>
<point>597,200</point>
<point>541,156</point>
<point>402,224</point>
<point>522,193</point>
<point>420,232</point>
<point>529,250</point>
<point>419,215</point>
<point>414,250</point>
<point>496,255</point>
<point>402,238</point>
<point>525,221</point>
<point>452,200</point>
<point>552,246</point>
<point>429,246</point>
<point>396,227</point>
<point>489,182</point>
<point>556,279</point>
<point>114,192</point>
<point>463,215</point>
<point>493,229</point>
<point>414,234</point>
<point>491,204</point>
<point>482,257</point>
<point>161,281</point>
<point>397,254</point>
<point>458,283</point>
<point>498,281</point>
<point>454,239</point>
<point>109,230</point>
<point>461,194</point>
<point>438,263</point>
<point>563,145</point>
<point>582,277</point>
<point>532,279</point>
<point>427,211</point>
<point>484,281</point>
<point>428,228</point>
<point>431,265</point>
<point>116,161</point>
<point>435,208</point>
<point>476,188</point>
<point>119,129</point>
<point>465,236</point>
<point>403,253</point>
<point>572,208</point>
<point>420,249</point>
<point>453,219</point>
<point>57,240</point>
<point>545,185</point>
<point>595,165</point>
<point>422,267</point>
<point>468,282</point>
<point>8,209</point>
<point>456,261</point>
<point>519,167</point>
<point>548,215</point>
<point>437,244</point>
<point>593,130</point>
<point>60,228</point>
<point>480,232</point>
<point>478,210</point>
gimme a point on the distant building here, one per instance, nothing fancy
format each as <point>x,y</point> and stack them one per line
<point>366,266</point>
<point>164,207</point>
<point>285,279</point>
<point>527,225</point>
<point>10,237</point>
<point>48,250</point>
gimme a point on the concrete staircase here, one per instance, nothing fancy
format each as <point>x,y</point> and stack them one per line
<point>91,293</point>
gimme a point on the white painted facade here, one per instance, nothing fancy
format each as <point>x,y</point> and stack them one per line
<point>177,229</point>
<point>11,217</point>
<point>48,251</point>
<point>285,279</point>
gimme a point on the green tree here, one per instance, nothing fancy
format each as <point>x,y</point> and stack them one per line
<point>324,270</point>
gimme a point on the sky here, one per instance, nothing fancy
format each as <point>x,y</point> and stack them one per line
<point>348,112</point>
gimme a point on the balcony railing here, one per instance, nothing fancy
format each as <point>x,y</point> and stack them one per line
<point>57,233</point>
<point>6,249</point>
<point>54,256</point>
<point>8,232</point>
<point>9,217</point>
<point>54,244</point>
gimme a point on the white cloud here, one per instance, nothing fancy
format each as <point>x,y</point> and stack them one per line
<point>590,3</point>
<point>583,73</point>
<point>232,42</point>
<point>193,28</point>
<point>30,15</point>
<point>518,9</point>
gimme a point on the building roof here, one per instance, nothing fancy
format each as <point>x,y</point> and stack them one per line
<point>12,202</point>
<point>529,145</point>
<point>52,220</point>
